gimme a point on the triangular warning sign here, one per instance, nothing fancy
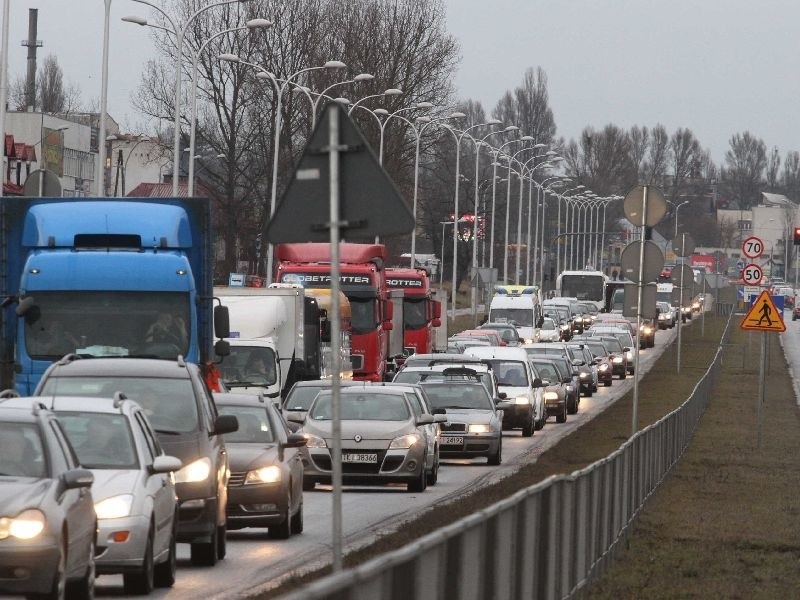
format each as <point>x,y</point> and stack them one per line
<point>764,316</point>
<point>369,203</point>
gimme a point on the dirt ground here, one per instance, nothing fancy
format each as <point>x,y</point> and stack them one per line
<point>661,391</point>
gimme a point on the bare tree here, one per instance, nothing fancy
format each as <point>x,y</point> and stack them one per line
<point>528,107</point>
<point>790,178</point>
<point>53,94</point>
<point>640,141</point>
<point>746,160</point>
<point>773,168</point>
<point>655,165</point>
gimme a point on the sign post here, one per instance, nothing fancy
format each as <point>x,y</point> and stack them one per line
<point>338,185</point>
<point>763,316</point>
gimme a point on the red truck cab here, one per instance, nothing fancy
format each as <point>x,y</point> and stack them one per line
<point>363,280</point>
<point>420,312</point>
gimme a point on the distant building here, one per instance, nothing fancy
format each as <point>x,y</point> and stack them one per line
<point>134,160</point>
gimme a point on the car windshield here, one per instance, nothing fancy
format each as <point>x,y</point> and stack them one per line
<point>169,403</point>
<point>458,395</point>
<point>414,313</point>
<point>101,441</point>
<point>301,396</point>
<point>362,406</point>
<point>22,454</point>
<point>424,376</point>
<point>103,323</point>
<point>254,424</point>
<point>249,366</point>
<point>509,372</point>
<point>522,317</point>
<point>597,348</point>
<point>549,349</point>
<point>547,371</point>
<point>612,344</point>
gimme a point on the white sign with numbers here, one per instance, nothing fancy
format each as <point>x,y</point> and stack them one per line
<point>752,247</point>
<point>752,274</point>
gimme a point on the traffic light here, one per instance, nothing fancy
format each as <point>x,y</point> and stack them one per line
<point>797,236</point>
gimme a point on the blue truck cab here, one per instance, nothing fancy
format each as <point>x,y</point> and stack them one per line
<point>105,277</point>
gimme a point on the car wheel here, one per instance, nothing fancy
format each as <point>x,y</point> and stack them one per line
<point>297,520</point>
<point>572,406</point>
<point>497,456</point>
<point>308,484</point>
<point>562,416</point>
<point>433,476</point>
<point>164,573</point>
<point>529,427</point>
<point>141,582</point>
<point>222,541</point>
<point>83,589</point>
<point>595,387</point>
<point>588,393</point>
<point>624,374</point>
<point>204,554</point>
<point>420,483</point>
<point>608,382</point>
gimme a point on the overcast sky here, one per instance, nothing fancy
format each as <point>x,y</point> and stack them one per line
<point>715,66</point>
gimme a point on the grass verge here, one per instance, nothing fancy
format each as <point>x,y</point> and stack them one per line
<point>725,523</point>
<point>660,392</point>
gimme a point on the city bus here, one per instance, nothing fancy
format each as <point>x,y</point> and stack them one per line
<point>586,286</point>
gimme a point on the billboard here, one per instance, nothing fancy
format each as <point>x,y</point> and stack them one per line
<point>53,150</point>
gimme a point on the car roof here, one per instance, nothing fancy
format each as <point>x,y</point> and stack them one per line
<point>88,404</point>
<point>372,388</point>
<point>441,358</point>
<point>124,367</point>
<point>233,399</point>
<point>499,352</point>
<point>16,414</point>
<point>320,383</point>
<point>477,365</point>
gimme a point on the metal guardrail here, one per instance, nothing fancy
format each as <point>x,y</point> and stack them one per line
<point>548,541</point>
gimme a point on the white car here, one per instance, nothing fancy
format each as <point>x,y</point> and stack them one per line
<point>549,331</point>
<point>133,490</point>
<point>522,388</point>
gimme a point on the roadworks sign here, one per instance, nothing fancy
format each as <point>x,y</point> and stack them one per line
<point>764,316</point>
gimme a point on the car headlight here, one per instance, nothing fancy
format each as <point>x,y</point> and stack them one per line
<point>617,360</point>
<point>529,341</point>
<point>25,526</point>
<point>603,367</point>
<point>404,441</point>
<point>648,330</point>
<point>194,472</point>
<point>114,507</point>
<point>522,400</point>
<point>270,474</point>
<point>583,375</point>
<point>629,356</point>
<point>313,441</point>
<point>550,396</point>
<point>478,428</point>
<point>564,327</point>
<point>662,317</point>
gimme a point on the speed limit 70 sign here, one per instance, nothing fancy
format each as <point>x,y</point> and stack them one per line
<point>752,247</point>
<point>752,274</point>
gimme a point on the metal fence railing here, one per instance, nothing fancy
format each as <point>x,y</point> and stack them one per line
<point>547,541</point>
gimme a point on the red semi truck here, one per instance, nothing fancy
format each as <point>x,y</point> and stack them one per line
<point>363,281</point>
<point>420,312</point>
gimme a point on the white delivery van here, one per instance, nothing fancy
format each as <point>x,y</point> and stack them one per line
<point>523,311</point>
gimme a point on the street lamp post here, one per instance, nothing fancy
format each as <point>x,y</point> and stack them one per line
<point>315,104</point>
<point>677,208</point>
<point>179,33</point>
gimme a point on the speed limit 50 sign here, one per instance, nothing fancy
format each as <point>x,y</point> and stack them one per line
<point>752,247</point>
<point>752,274</point>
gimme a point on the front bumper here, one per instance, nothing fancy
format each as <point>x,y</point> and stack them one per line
<point>197,520</point>
<point>257,505</point>
<point>519,415</point>
<point>118,557</point>
<point>28,567</point>
<point>472,445</point>
<point>392,466</point>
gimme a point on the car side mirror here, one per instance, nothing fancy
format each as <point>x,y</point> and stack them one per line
<point>165,464</point>
<point>502,395</point>
<point>436,323</point>
<point>293,440</point>
<point>626,349</point>
<point>440,418</point>
<point>538,382</point>
<point>425,420</point>
<point>77,479</point>
<point>222,348</point>
<point>567,380</point>
<point>388,325</point>
<point>222,322</point>
<point>225,424</point>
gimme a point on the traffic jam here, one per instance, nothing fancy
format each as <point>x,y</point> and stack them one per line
<point>151,442</point>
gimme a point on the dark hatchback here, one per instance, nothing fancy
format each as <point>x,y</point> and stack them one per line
<point>181,409</point>
<point>47,519</point>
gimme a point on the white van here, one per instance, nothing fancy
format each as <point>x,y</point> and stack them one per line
<point>523,311</point>
<point>517,380</point>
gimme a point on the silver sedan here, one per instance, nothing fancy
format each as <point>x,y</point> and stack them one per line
<point>383,441</point>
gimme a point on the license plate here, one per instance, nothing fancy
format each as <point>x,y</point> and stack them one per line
<point>452,440</point>
<point>360,458</point>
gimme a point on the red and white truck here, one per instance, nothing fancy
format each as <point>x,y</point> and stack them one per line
<point>363,280</point>
<point>421,313</point>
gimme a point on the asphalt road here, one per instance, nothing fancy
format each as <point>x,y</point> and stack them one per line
<point>255,561</point>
